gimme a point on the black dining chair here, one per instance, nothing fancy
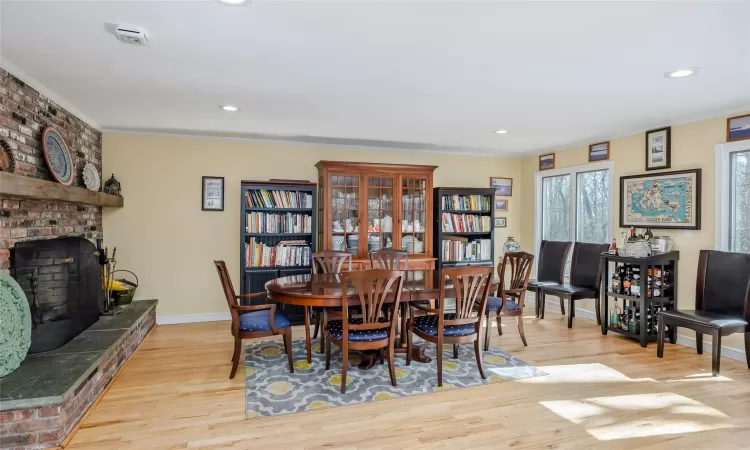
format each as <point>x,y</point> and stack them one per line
<point>585,279</point>
<point>722,304</point>
<point>550,270</point>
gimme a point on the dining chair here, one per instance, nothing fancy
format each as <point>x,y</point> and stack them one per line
<point>325,262</point>
<point>469,285</point>
<point>511,296</point>
<point>722,304</point>
<point>550,270</point>
<point>374,329</point>
<point>253,321</point>
<point>585,279</point>
<point>389,259</point>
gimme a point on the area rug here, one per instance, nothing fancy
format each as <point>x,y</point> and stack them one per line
<point>272,391</point>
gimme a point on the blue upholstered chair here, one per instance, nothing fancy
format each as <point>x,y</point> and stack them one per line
<point>374,329</point>
<point>253,321</point>
<point>468,285</point>
<point>511,294</point>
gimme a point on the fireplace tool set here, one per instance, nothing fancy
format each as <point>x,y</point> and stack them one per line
<point>108,268</point>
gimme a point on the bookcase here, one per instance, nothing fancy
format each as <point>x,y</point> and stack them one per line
<point>463,227</point>
<point>278,230</point>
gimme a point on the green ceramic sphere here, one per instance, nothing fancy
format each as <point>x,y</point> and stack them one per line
<point>15,325</point>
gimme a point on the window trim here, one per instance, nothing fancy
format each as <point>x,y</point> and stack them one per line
<point>722,180</point>
<point>572,171</point>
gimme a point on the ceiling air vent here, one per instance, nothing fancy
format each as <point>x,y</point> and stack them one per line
<point>131,34</point>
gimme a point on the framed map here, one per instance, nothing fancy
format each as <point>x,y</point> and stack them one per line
<point>661,200</point>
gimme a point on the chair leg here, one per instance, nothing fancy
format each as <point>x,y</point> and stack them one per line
<point>328,354</point>
<point>747,348</point>
<point>660,338</point>
<point>488,327</point>
<point>236,360</point>
<point>288,348</point>
<point>408,343</point>
<point>537,302</point>
<point>316,319</point>
<point>440,361</point>
<point>344,365</point>
<point>598,312</point>
<point>699,342</point>
<point>455,351</point>
<point>562,306</point>
<point>520,330</point>
<point>543,306</point>
<point>571,312</point>
<point>478,354</point>
<point>391,362</point>
<point>716,354</point>
<point>498,320</point>
<point>323,321</point>
<point>307,335</point>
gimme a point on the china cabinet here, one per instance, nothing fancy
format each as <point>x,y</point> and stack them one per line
<point>364,207</point>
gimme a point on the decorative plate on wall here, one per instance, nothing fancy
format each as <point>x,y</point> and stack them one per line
<point>57,155</point>
<point>15,316</point>
<point>7,160</point>
<point>91,177</point>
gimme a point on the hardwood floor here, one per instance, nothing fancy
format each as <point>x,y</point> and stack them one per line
<point>602,392</point>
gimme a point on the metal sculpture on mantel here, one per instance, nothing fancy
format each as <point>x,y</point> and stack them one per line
<point>112,186</point>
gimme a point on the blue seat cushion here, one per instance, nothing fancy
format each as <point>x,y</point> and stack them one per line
<point>428,325</point>
<point>260,320</point>
<point>337,332</point>
<point>496,303</point>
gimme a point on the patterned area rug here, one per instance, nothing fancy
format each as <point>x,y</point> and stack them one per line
<point>272,391</point>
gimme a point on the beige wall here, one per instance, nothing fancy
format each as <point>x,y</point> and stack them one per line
<point>692,147</point>
<point>163,236</point>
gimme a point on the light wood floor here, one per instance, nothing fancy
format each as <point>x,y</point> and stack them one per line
<point>602,392</point>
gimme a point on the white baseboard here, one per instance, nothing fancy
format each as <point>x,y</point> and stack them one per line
<point>192,318</point>
<point>686,341</point>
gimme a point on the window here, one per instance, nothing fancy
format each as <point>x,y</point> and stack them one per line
<point>575,204</point>
<point>733,197</point>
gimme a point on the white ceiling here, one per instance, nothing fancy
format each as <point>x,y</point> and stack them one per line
<point>412,75</point>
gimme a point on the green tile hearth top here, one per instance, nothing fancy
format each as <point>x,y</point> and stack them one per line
<point>46,378</point>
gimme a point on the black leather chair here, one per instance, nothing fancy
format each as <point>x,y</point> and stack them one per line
<point>722,304</point>
<point>585,279</point>
<point>550,270</point>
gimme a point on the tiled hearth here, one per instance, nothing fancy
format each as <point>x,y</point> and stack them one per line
<point>42,400</point>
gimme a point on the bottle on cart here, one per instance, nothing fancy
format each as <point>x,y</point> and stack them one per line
<point>635,286</point>
<point>627,281</point>
<point>616,285</point>
<point>614,316</point>
<point>613,247</point>
<point>625,319</point>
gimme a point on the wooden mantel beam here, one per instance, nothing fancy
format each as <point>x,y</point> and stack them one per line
<point>19,186</point>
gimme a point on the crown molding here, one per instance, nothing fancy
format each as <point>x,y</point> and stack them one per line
<point>300,142</point>
<point>42,89</point>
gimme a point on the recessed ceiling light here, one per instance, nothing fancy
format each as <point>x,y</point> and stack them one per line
<point>682,73</point>
<point>501,131</point>
<point>229,108</point>
<point>233,2</point>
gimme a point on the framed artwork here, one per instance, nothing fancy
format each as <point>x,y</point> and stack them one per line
<point>599,152</point>
<point>547,162</point>
<point>738,128</point>
<point>668,200</point>
<point>503,186</point>
<point>659,149</point>
<point>212,190</point>
<point>501,205</point>
<point>500,222</point>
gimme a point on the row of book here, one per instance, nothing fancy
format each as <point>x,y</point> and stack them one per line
<point>458,250</point>
<point>467,202</point>
<point>263,198</point>
<point>285,254</point>
<point>260,222</point>
<point>466,223</point>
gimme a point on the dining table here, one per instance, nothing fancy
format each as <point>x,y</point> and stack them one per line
<point>325,290</point>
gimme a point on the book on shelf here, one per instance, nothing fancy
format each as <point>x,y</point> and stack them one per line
<point>466,223</point>
<point>467,202</point>
<point>477,250</point>
<point>262,222</point>
<point>263,198</point>
<point>284,254</point>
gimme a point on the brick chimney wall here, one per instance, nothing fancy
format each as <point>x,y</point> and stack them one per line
<point>24,114</point>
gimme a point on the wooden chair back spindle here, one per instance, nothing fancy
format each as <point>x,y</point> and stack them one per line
<point>471,284</point>
<point>516,265</point>
<point>389,259</point>
<point>331,262</point>
<point>373,287</point>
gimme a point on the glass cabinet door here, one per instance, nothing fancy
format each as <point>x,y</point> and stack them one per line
<point>380,212</point>
<point>345,213</point>
<point>413,214</point>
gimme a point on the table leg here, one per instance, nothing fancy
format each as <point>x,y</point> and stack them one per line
<point>307,335</point>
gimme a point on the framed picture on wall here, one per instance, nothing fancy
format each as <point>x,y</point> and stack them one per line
<point>738,128</point>
<point>668,200</point>
<point>212,193</point>
<point>547,162</point>
<point>503,186</point>
<point>501,204</point>
<point>500,222</point>
<point>658,149</point>
<point>599,152</point>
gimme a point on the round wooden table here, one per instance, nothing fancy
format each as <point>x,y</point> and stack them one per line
<point>325,291</point>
